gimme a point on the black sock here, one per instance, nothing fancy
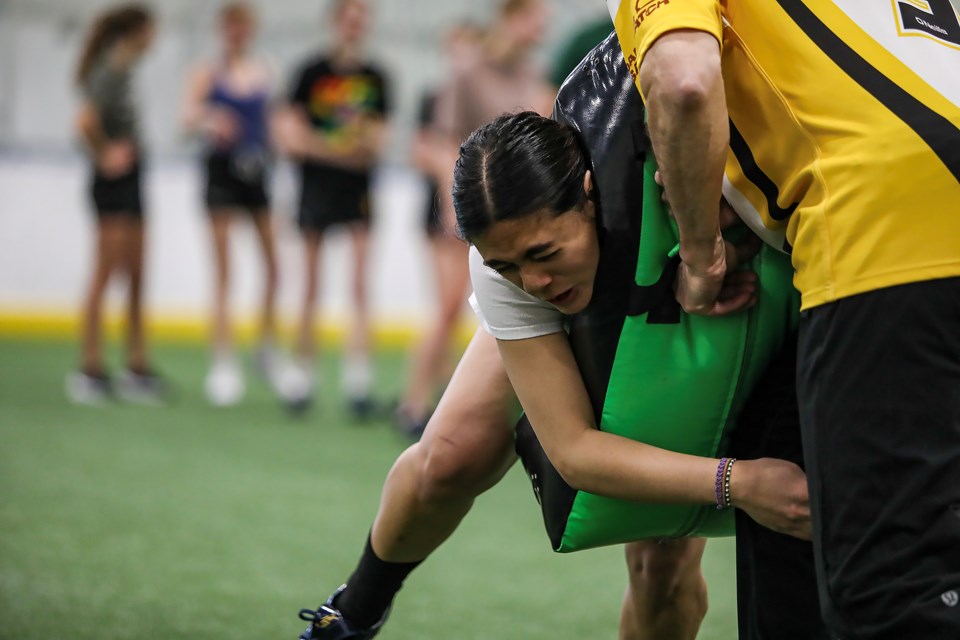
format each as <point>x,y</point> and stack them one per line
<point>372,587</point>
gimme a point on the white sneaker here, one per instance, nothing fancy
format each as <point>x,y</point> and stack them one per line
<point>294,384</point>
<point>356,378</point>
<point>224,384</point>
<point>85,389</point>
<point>272,365</point>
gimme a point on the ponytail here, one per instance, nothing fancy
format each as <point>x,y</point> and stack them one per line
<point>106,30</point>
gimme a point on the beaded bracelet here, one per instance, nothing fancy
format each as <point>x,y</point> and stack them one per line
<point>722,488</point>
<point>727,501</point>
<point>718,487</point>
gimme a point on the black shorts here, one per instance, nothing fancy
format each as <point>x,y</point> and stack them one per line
<point>322,207</point>
<point>776,580</point>
<point>431,211</point>
<point>879,388</point>
<point>120,196</point>
<point>237,181</point>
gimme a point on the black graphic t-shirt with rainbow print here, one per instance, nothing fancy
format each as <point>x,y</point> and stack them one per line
<point>339,103</point>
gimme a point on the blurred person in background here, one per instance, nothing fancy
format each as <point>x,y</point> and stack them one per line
<point>227,104</point>
<point>490,75</point>
<point>334,126</point>
<point>107,123</point>
<point>430,364</point>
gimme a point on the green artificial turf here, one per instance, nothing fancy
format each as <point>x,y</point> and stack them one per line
<point>193,522</point>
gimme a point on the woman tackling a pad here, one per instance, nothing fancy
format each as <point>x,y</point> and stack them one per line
<point>548,240</point>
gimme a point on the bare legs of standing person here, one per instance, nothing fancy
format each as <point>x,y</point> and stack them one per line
<point>356,381</point>
<point>271,277</point>
<point>300,386</point>
<point>119,249</point>
<point>224,383</point>
<point>109,258</point>
<point>357,376</point>
<point>136,324</point>
<point>431,360</point>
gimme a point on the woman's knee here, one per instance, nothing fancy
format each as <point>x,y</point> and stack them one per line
<point>463,467</point>
<point>664,566</point>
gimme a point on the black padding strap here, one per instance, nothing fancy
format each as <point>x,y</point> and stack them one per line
<point>658,299</point>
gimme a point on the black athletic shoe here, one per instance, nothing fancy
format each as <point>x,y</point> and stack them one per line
<point>362,408</point>
<point>327,623</point>
<point>143,387</point>
<point>409,426</point>
<point>299,406</point>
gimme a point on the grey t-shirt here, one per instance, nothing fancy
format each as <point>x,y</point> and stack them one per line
<point>481,89</point>
<point>109,90</point>
<point>506,311</point>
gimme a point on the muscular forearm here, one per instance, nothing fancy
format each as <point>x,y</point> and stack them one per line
<point>687,117</point>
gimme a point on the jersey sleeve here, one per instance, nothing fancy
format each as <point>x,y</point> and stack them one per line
<point>505,311</point>
<point>639,24</point>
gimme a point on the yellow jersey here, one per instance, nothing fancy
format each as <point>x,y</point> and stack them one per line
<point>844,129</point>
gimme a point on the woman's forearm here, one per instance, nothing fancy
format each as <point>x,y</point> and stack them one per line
<point>548,384</point>
<point>559,410</point>
<point>614,466</point>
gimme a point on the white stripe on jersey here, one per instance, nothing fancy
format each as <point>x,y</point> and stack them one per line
<point>776,238</point>
<point>613,6</point>
<point>935,62</point>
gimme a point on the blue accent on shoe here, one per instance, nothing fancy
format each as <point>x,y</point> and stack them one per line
<point>327,623</point>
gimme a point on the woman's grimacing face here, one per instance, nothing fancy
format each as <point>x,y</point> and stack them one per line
<point>551,257</point>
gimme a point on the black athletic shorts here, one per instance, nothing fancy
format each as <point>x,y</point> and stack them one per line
<point>879,388</point>
<point>237,181</point>
<point>321,208</point>
<point>117,196</point>
<point>776,580</point>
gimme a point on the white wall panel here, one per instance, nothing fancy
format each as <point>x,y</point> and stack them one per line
<point>46,244</point>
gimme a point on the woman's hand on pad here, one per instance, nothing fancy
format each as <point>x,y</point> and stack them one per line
<point>774,493</point>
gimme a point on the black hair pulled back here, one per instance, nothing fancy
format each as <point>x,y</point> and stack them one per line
<point>517,165</point>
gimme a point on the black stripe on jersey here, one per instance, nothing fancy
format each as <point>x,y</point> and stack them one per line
<point>756,175</point>
<point>941,135</point>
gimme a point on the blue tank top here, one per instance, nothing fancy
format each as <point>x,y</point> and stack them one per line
<point>250,110</point>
